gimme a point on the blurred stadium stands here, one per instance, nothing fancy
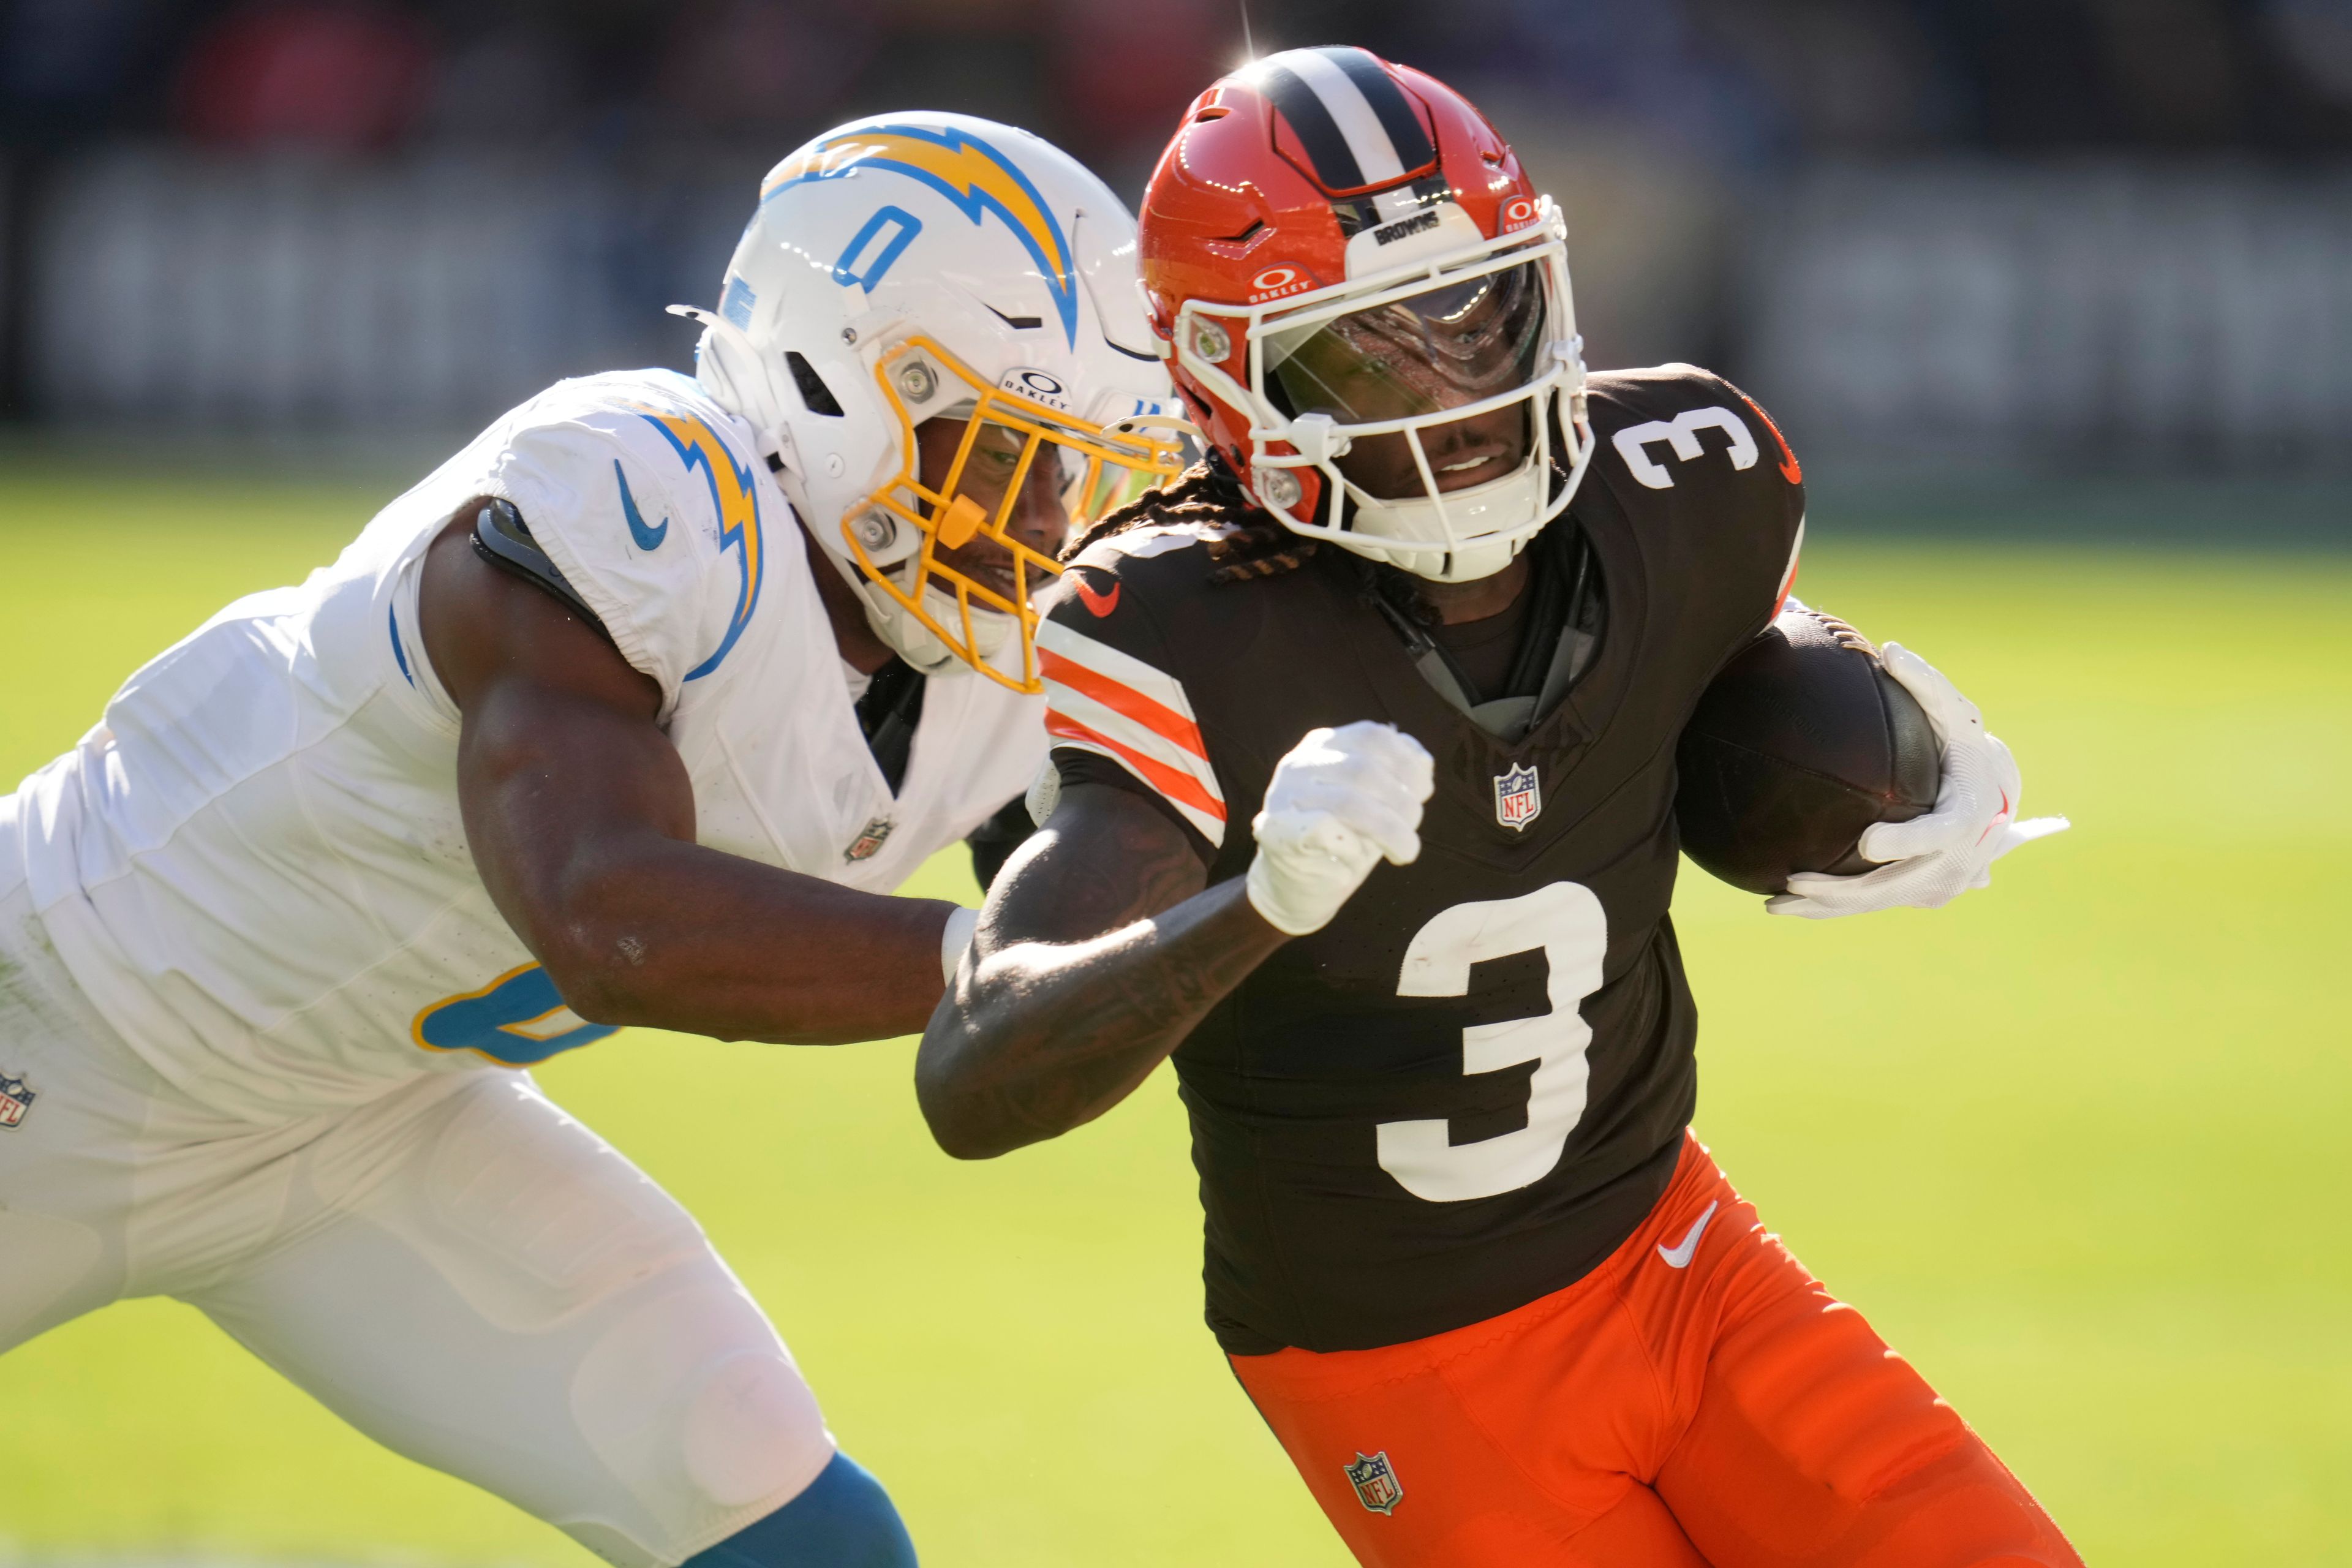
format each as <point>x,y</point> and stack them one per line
<point>2040,236</point>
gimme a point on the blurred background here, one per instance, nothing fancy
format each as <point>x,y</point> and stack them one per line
<point>2054,299</point>
<point>1944,239</point>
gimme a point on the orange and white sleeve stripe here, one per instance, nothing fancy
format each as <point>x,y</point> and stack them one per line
<point>1101,700</point>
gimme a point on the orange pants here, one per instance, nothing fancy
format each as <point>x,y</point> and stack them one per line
<point>1699,1401</point>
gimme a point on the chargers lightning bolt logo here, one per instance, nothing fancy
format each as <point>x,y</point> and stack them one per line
<point>969,173</point>
<point>648,539</point>
<point>735,497</point>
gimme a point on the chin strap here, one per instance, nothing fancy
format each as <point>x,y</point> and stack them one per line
<point>882,614</point>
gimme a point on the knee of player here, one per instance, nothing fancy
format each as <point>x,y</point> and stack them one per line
<point>843,1518</point>
<point>698,1410</point>
<point>751,1430</point>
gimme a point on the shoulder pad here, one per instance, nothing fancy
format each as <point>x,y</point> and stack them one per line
<point>1659,388</point>
<point>503,539</point>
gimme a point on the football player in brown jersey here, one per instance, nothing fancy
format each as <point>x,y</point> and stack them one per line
<point>1496,1302</point>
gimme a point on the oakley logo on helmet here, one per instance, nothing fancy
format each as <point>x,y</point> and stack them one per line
<point>1519,212</point>
<point>1037,385</point>
<point>1276,281</point>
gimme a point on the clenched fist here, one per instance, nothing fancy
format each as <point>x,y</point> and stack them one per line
<point>1339,802</point>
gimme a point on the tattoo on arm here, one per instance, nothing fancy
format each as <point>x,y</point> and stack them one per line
<point>1106,859</point>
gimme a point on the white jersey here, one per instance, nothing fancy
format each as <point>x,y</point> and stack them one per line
<point>255,866</point>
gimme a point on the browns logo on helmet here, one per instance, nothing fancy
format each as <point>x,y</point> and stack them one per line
<point>1367,311</point>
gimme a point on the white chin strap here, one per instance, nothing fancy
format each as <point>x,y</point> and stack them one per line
<point>1490,520</point>
<point>909,637</point>
<point>915,642</point>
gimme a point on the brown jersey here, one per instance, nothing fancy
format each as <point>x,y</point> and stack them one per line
<point>1466,1089</point>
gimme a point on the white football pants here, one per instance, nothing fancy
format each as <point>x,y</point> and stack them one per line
<point>458,1269</point>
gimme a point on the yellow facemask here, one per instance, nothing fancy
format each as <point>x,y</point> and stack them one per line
<point>971,561</point>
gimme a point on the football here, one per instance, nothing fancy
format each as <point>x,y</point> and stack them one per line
<point>1803,741</point>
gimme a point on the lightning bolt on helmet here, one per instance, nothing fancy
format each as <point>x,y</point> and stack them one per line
<point>1367,306</point>
<point>923,266</point>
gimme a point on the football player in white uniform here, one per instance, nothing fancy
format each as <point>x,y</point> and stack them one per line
<point>632,713</point>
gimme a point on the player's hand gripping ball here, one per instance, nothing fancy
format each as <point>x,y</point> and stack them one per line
<point>1934,859</point>
<point>1340,803</point>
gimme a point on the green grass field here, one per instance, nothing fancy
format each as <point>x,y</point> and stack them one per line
<point>2077,1145</point>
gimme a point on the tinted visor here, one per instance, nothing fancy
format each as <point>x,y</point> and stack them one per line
<point>1449,346</point>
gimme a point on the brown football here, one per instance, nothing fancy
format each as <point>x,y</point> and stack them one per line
<point>1799,743</point>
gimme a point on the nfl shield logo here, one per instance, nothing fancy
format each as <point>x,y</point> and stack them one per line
<point>1517,797</point>
<point>870,840</point>
<point>15,1101</point>
<point>1376,1483</point>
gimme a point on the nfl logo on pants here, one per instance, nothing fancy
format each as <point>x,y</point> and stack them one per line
<point>1376,1483</point>
<point>1519,797</point>
<point>15,1101</point>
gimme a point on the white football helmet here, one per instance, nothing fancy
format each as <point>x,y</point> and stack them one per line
<point>926,264</point>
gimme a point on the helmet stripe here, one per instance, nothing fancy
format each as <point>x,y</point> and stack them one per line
<point>1404,128</point>
<point>1355,124</point>
<point>1327,148</point>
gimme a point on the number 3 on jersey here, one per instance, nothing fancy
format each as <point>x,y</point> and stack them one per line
<point>1566,920</point>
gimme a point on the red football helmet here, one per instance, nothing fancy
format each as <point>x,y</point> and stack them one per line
<point>1367,307</point>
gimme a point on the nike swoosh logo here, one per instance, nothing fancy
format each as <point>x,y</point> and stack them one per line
<point>2005,810</point>
<point>1679,1255</point>
<point>647,538</point>
<point>1093,599</point>
<point>1791,469</point>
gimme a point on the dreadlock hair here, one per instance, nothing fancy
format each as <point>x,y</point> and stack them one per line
<point>1207,492</point>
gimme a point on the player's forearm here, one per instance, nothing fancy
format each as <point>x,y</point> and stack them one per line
<point>648,931</point>
<point>1037,1038</point>
<point>581,821</point>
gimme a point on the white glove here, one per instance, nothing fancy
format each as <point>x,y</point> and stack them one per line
<point>1934,859</point>
<point>957,937</point>
<point>1339,802</point>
